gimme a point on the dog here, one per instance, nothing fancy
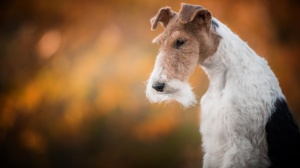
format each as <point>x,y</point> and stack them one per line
<point>245,120</point>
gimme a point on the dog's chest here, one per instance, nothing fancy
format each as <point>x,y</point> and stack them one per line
<point>212,119</point>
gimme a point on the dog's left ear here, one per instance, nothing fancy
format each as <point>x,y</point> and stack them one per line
<point>195,13</point>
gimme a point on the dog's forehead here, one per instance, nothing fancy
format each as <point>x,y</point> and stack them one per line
<point>179,34</point>
<point>174,25</point>
<point>175,29</point>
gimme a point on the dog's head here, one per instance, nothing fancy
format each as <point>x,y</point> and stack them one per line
<point>187,40</point>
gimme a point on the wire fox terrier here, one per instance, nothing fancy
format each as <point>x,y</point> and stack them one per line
<point>245,120</point>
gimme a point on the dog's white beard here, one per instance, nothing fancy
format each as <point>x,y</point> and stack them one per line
<point>174,90</point>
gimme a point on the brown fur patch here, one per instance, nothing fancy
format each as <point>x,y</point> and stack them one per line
<point>188,39</point>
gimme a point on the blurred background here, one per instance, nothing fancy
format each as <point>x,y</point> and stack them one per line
<point>73,72</point>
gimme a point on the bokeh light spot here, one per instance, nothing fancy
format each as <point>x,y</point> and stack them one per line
<point>49,44</point>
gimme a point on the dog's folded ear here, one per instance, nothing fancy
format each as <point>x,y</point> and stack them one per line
<point>164,15</point>
<point>195,13</point>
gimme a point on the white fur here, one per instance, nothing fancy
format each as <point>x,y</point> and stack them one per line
<point>174,89</point>
<point>237,105</point>
<point>177,90</point>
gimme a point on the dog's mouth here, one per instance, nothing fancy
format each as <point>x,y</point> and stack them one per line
<point>172,90</point>
<point>165,88</point>
<point>168,91</point>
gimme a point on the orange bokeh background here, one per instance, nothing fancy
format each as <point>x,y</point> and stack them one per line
<point>73,76</point>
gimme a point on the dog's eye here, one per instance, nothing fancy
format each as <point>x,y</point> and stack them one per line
<point>179,43</point>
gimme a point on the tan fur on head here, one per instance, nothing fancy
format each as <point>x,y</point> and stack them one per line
<point>192,26</point>
<point>187,40</point>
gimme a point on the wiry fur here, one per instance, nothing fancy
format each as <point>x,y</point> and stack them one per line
<point>238,102</point>
<point>175,89</point>
<point>242,90</point>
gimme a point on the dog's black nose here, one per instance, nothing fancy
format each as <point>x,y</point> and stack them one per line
<point>158,86</point>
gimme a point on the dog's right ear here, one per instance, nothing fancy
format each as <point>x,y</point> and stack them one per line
<point>189,13</point>
<point>164,15</point>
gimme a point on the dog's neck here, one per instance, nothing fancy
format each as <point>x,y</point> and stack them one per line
<point>235,62</point>
<point>232,53</point>
<point>216,71</point>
